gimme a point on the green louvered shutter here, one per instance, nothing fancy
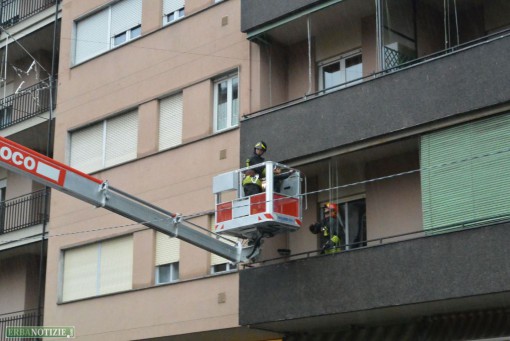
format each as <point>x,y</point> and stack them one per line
<point>465,174</point>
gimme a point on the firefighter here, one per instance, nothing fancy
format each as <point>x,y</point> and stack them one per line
<point>331,229</point>
<point>252,182</point>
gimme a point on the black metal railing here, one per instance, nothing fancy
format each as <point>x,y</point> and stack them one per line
<point>24,211</point>
<point>19,319</point>
<point>15,11</point>
<point>26,103</point>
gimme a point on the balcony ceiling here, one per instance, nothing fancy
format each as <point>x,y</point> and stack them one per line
<point>36,43</point>
<point>345,14</point>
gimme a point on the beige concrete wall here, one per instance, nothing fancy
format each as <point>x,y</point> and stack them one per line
<point>19,275</point>
<point>13,273</point>
<point>182,57</point>
<point>394,205</point>
<point>369,46</point>
<point>174,309</point>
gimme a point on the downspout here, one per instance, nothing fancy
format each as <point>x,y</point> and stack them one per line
<point>378,26</point>
<point>309,35</point>
<point>42,263</point>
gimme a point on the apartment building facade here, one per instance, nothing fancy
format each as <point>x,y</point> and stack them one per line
<point>397,111</point>
<point>150,94</point>
<point>29,36</point>
<point>394,110</point>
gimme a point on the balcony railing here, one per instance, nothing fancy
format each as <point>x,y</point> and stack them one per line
<point>19,319</point>
<point>24,211</point>
<point>15,11</point>
<point>27,103</point>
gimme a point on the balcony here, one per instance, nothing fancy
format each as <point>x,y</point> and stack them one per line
<point>19,319</point>
<point>25,104</point>
<point>13,12</point>
<point>342,72</point>
<point>429,91</point>
<point>425,286</point>
<point>22,212</point>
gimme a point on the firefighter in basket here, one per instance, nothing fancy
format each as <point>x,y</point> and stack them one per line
<point>252,182</point>
<point>331,230</point>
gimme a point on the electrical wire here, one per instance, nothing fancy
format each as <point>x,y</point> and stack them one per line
<point>209,212</point>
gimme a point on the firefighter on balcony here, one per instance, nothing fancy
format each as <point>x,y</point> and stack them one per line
<point>330,228</point>
<point>252,182</point>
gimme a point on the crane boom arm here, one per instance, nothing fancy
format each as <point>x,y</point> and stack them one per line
<point>51,173</point>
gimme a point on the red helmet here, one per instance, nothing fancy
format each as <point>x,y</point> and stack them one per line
<point>330,209</point>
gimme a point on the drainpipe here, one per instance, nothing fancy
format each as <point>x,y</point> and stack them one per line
<point>309,34</point>
<point>42,263</point>
<point>379,37</point>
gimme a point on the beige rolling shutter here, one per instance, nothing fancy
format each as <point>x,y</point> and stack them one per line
<point>80,272</point>
<point>125,15</point>
<point>121,138</point>
<point>87,148</point>
<point>116,269</point>
<point>92,36</point>
<point>170,122</point>
<point>167,249</point>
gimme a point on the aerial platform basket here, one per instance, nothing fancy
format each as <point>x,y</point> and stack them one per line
<point>276,210</point>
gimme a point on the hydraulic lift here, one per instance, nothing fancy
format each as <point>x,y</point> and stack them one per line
<point>75,183</point>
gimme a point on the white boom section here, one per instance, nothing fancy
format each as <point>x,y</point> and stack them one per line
<point>61,177</point>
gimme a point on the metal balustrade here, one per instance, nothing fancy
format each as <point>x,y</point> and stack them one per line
<point>18,319</point>
<point>15,11</point>
<point>27,103</point>
<point>24,211</point>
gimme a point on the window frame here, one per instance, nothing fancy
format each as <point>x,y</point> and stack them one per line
<point>230,101</point>
<point>129,36</point>
<point>175,15</point>
<point>346,201</point>
<point>174,273</point>
<point>342,58</point>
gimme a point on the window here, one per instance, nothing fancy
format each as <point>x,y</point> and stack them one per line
<point>172,10</point>
<point>107,28</point>
<point>170,121</point>
<point>352,220</point>
<point>167,258</point>
<point>6,116</point>
<point>464,174</point>
<point>167,273</point>
<point>226,103</point>
<point>105,144</point>
<point>340,70</point>
<point>127,35</point>
<point>98,269</point>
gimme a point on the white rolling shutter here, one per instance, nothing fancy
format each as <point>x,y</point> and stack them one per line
<point>170,6</point>
<point>80,272</point>
<point>116,265</point>
<point>92,36</point>
<point>87,148</point>
<point>126,15</point>
<point>170,121</point>
<point>121,138</point>
<point>167,249</point>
